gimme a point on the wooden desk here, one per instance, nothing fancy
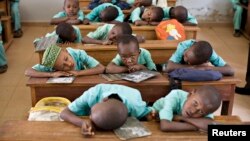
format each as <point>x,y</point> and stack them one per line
<point>147,31</point>
<point>85,3</point>
<point>151,89</point>
<point>7,35</point>
<point>57,131</point>
<point>160,50</point>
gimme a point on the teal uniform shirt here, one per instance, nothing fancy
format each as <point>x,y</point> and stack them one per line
<point>237,13</point>
<point>77,32</point>
<point>93,16</point>
<point>177,57</point>
<point>135,15</point>
<point>172,104</point>
<point>143,59</point>
<point>130,97</point>
<point>3,60</point>
<point>81,58</point>
<point>15,14</point>
<point>62,14</point>
<point>190,18</point>
<point>101,33</point>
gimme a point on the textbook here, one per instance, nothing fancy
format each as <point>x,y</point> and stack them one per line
<point>62,80</point>
<point>45,42</point>
<point>136,77</point>
<point>132,128</point>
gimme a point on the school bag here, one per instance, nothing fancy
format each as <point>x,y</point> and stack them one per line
<point>195,75</point>
<point>48,109</point>
<point>170,30</point>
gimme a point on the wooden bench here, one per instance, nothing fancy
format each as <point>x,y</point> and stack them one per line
<point>160,50</point>
<point>151,89</point>
<point>7,35</point>
<point>13,130</point>
<point>147,31</point>
<point>85,3</point>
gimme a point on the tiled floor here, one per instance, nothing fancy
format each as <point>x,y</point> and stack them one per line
<point>15,100</point>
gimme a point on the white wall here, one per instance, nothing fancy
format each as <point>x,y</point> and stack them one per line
<point>204,10</point>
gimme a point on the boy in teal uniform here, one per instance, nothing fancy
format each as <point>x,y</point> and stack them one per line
<point>130,57</point>
<point>237,16</point>
<point>188,111</point>
<point>71,14</point>
<point>146,16</point>
<point>3,60</point>
<point>15,16</point>
<point>102,14</point>
<point>58,62</point>
<point>198,55</point>
<point>179,13</point>
<point>107,34</point>
<point>107,106</point>
<point>66,33</point>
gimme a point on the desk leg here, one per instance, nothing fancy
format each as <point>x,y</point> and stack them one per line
<point>33,96</point>
<point>227,106</point>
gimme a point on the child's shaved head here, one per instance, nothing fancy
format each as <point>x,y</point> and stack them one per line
<point>76,1</point>
<point>124,27</point>
<point>109,115</point>
<point>127,39</point>
<point>180,13</point>
<point>159,14</point>
<point>202,51</point>
<point>66,32</point>
<point>109,14</point>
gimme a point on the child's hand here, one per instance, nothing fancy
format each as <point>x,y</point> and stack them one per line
<point>139,23</point>
<point>152,115</point>
<point>59,73</point>
<point>73,21</point>
<point>178,118</point>
<point>135,68</point>
<point>107,42</point>
<point>86,21</point>
<point>74,72</point>
<point>87,129</point>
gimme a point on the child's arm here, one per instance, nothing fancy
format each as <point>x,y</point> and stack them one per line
<point>92,71</point>
<point>200,123</point>
<point>172,66</point>
<point>136,67</point>
<point>166,126</point>
<point>88,40</point>
<point>113,68</point>
<point>86,127</point>
<point>140,23</point>
<point>154,23</point>
<point>58,20</point>
<point>226,70</point>
<point>34,73</point>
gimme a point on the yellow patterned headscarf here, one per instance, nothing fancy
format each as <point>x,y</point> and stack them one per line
<point>50,55</point>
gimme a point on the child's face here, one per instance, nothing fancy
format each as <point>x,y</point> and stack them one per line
<point>71,7</point>
<point>148,15</point>
<point>189,57</point>
<point>129,53</point>
<point>64,62</point>
<point>114,33</point>
<point>194,107</point>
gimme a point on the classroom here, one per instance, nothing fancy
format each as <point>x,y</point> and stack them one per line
<point>98,66</point>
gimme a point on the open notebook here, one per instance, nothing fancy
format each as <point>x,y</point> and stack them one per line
<point>132,128</point>
<point>61,80</point>
<point>136,77</point>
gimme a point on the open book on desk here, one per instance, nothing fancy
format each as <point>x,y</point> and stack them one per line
<point>61,80</point>
<point>45,42</point>
<point>132,128</point>
<point>136,77</point>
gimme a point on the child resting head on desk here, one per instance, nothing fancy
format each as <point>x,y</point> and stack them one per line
<point>130,57</point>
<point>105,12</point>
<point>188,111</point>
<point>108,106</point>
<point>153,15</point>
<point>198,55</point>
<point>146,16</point>
<point>66,33</point>
<point>71,13</point>
<point>107,34</point>
<point>58,62</point>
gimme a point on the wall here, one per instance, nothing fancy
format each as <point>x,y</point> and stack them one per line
<point>204,10</point>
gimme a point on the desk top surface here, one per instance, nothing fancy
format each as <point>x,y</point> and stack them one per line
<point>39,130</point>
<point>157,80</point>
